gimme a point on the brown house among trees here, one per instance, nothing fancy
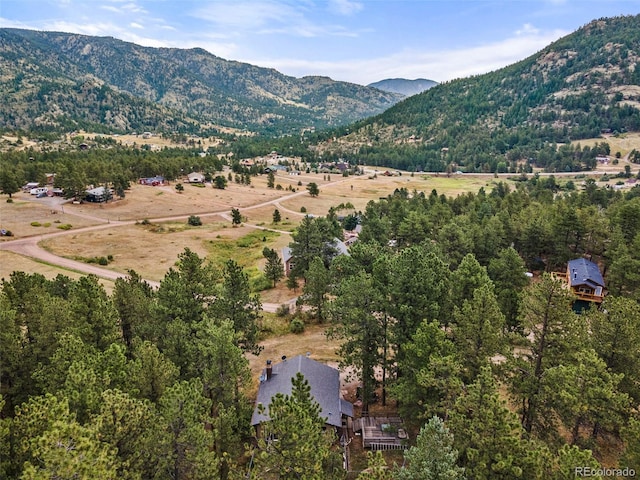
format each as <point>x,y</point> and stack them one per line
<point>584,279</point>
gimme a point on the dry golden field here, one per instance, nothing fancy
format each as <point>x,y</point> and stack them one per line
<point>623,143</point>
<point>152,249</point>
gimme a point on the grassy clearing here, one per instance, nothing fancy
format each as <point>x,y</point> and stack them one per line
<point>623,143</point>
<point>246,251</point>
<point>30,216</point>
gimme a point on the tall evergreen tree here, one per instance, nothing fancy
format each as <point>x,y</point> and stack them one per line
<point>507,271</point>
<point>478,331</point>
<point>590,395</point>
<point>356,313</point>
<point>128,426</point>
<point>292,443</point>
<point>553,335</point>
<point>236,217</point>
<point>615,330</point>
<point>316,288</point>
<point>236,303</point>
<point>313,238</point>
<point>273,270</point>
<point>186,442</point>
<point>433,457</point>
<point>419,290</point>
<point>70,450</point>
<point>133,298</point>
<point>431,375</point>
<point>486,433</point>
<point>225,374</point>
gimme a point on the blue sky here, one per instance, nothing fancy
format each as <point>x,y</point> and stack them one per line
<point>359,41</point>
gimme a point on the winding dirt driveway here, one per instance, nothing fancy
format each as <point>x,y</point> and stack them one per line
<point>29,246</point>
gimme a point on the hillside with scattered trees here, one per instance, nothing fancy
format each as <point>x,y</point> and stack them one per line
<point>580,86</point>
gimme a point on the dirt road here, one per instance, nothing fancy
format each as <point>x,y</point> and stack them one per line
<point>29,246</point>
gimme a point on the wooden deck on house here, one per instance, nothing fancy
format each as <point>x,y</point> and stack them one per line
<point>587,297</point>
<point>382,433</point>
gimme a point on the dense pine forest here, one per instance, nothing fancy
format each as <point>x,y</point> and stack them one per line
<point>451,310</point>
<point>494,366</point>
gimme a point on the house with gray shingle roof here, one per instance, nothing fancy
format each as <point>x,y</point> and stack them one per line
<point>342,248</point>
<point>585,280</point>
<point>325,389</point>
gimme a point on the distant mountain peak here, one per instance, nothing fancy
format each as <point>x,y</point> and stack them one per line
<point>404,86</point>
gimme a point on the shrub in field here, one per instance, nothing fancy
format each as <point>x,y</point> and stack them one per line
<point>296,325</point>
<point>283,310</point>
<point>194,221</point>
<point>65,226</point>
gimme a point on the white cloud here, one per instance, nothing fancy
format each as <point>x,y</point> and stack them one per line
<point>249,15</point>
<point>345,7</point>
<point>136,25</point>
<point>123,8</point>
<point>441,65</point>
<point>110,8</point>
<point>282,17</point>
<point>527,29</point>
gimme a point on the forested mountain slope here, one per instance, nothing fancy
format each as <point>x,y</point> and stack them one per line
<point>578,87</point>
<point>59,80</point>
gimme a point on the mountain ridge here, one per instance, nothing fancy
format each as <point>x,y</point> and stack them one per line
<point>580,86</point>
<point>192,86</point>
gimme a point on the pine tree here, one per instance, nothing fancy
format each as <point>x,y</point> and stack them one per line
<point>433,457</point>
<point>487,435</point>
<point>132,298</point>
<point>186,441</point>
<point>313,189</point>
<point>316,288</point>
<point>357,322</point>
<point>292,443</point>
<point>478,330</point>
<point>273,269</point>
<point>235,302</point>
<point>431,375</point>
<point>552,334</point>
<point>70,450</point>
<point>236,217</point>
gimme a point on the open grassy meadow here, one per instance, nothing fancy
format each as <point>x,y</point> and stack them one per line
<point>147,230</point>
<point>623,143</point>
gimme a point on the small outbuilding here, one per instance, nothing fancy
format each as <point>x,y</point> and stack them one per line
<point>153,181</point>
